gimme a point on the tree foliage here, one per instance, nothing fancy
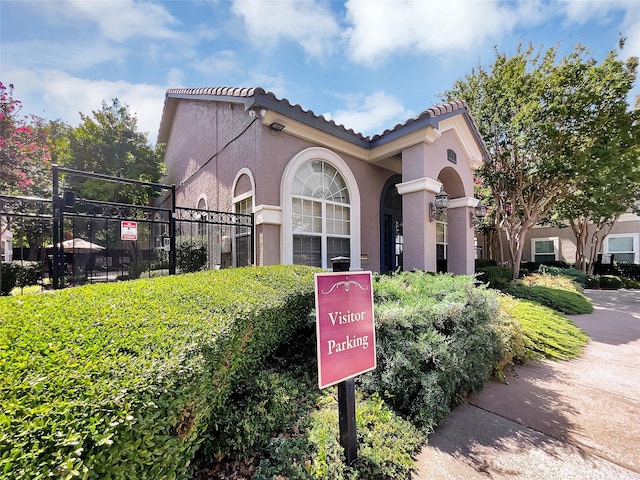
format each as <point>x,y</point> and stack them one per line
<point>108,143</point>
<point>548,124</point>
<point>25,167</point>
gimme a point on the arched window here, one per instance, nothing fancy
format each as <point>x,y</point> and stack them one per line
<point>321,214</point>
<point>243,194</point>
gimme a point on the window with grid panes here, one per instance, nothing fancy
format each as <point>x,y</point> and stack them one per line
<point>321,214</point>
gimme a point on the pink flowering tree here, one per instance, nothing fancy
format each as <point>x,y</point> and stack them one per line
<point>25,161</point>
<point>25,164</point>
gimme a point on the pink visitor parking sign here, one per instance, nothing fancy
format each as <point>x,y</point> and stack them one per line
<point>344,326</point>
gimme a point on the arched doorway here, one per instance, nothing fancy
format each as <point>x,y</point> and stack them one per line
<point>391,237</point>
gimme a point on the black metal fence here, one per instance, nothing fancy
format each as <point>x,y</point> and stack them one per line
<point>71,240</point>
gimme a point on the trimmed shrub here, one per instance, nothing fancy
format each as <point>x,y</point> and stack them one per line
<point>191,256</point>
<point>127,380</point>
<point>559,300</point>
<point>610,282</point>
<point>485,262</point>
<point>495,277</point>
<point>628,270</point>
<point>592,281</point>
<point>435,343</point>
<point>9,273</point>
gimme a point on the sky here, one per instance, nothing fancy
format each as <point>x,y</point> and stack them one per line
<point>366,64</point>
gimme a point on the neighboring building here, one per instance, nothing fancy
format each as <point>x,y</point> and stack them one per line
<point>6,242</point>
<point>320,191</point>
<point>548,244</point>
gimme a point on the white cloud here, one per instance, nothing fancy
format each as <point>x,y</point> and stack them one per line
<point>76,56</point>
<point>59,95</point>
<point>380,29</point>
<point>219,64</point>
<point>370,114</point>
<point>306,22</point>
<point>119,20</point>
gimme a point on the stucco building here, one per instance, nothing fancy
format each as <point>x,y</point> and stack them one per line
<point>319,190</point>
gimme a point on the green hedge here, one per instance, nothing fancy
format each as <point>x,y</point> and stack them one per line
<point>126,380</point>
<point>436,343</point>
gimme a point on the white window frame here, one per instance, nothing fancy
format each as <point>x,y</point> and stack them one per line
<point>636,244</point>
<point>239,198</point>
<point>324,155</point>
<point>556,247</point>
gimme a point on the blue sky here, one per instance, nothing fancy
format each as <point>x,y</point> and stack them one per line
<point>365,64</point>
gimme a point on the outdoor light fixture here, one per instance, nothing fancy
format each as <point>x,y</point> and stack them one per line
<point>276,127</point>
<point>440,205</point>
<point>478,214</point>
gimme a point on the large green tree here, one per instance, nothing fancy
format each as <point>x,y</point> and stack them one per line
<point>544,121</point>
<point>109,143</point>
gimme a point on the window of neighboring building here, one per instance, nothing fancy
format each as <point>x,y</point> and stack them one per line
<point>545,250</point>
<point>624,247</point>
<point>320,214</point>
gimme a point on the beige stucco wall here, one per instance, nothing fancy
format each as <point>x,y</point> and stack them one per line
<point>627,223</point>
<point>428,161</point>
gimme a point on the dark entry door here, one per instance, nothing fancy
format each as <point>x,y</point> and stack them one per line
<point>391,236</point>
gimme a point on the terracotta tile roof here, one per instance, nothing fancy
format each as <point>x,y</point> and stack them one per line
<point>258,97</point>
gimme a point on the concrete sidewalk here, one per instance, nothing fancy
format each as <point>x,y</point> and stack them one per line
<point>554,420</point>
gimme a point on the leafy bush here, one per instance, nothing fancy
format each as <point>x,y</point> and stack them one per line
<point>559,300</point>
<point>496,277</point>
<point>484,262</point>
<point>435,343</point>
<point>127,380</point>
<point>387,444</point>
<point>191,256</point>
<point>628,270</point>
<point>548,333</point>
<point>610,282</point>
<point>27,273</point>
<point>592,281</point>
<point>630,283</point>
<point>9,273</point>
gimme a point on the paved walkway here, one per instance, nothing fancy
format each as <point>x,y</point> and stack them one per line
<point>574,420</point>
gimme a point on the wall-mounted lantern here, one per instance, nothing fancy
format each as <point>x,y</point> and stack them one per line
<point>440,205</point>
<point>479,212</point>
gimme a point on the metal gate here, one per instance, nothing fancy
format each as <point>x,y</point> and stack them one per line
<point>77,240</point>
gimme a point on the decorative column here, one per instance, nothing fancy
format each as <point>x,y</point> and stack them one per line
<point>461,249</point>
<point>418,231</point>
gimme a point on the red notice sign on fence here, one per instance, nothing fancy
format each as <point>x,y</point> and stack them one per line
<point>345,326</point>
<point>128,230</point>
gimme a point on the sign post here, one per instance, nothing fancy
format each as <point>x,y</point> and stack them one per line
<point>345,342</point>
